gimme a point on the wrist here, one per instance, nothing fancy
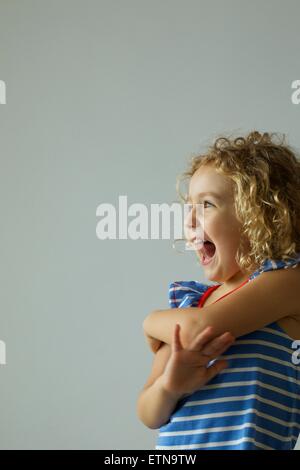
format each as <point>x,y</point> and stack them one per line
<point>172,395</point>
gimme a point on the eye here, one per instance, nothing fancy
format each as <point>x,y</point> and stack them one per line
<point>189,206</point>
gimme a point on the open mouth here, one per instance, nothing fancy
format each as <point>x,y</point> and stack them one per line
<point>207,250</point>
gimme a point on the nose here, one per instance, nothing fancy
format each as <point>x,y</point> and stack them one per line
<point>192,224</point>
<point>189,217</point>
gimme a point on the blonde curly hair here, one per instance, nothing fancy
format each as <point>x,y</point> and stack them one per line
<point>266,176</point>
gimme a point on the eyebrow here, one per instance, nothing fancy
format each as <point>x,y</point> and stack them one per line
<point>210,193</point>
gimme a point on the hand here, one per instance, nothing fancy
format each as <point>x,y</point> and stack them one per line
<point>186,370</point>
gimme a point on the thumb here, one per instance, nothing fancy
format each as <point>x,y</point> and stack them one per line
<point>176,344</point>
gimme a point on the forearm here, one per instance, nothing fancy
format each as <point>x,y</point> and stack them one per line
<point>160,324</point>
<point>155,405</point>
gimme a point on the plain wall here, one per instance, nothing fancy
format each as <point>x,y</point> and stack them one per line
<point>109,98</point>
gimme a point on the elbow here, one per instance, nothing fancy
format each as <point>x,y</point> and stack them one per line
<point>145,322</point>
<point>148,319</point>
<point>145,422</point>
<point>152,426</point>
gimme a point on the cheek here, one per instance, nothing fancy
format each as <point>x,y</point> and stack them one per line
<point>224,231</point>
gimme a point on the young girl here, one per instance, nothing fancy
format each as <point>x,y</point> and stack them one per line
<point>250,190</point>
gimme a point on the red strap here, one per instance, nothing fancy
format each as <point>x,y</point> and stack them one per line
<point>212,288</point>
<point>206,294</point>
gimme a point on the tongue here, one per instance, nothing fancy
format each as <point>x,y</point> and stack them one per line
<point>209,249</point>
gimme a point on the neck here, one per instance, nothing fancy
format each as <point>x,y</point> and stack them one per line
<point>235,281</point>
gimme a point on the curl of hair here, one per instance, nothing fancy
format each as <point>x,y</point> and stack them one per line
<point>265,172</point>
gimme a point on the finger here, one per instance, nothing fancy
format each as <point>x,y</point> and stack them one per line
<point>177,346</point>
<point>226,346</point>
<point>215,369</point>
<point>204,359</point>
<point>214,346</point>
<point>218,352</point>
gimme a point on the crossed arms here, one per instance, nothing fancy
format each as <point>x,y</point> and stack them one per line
<point>267,298</point>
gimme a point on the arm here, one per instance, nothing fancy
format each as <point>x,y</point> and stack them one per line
<point>155,404</point>
<point>154,343</point>
<point>178,372</point>
<point>267,298</point>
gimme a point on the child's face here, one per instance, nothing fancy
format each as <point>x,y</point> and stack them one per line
<point>218,222</point>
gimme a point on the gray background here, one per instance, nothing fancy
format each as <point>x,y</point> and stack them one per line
<point>109,98</point>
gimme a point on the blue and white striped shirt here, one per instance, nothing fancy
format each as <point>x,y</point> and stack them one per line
<point>252,404</point>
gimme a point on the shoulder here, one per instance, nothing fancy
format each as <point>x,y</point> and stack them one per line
<point>286,272</point>
<point>282,277</point>
<point>270,265</point>
<point>283,283</point>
